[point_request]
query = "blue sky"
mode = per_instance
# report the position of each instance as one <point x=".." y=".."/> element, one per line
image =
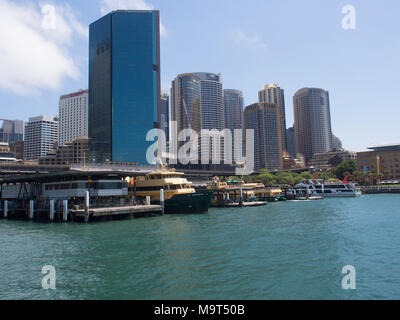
<point x="294" y="43"/>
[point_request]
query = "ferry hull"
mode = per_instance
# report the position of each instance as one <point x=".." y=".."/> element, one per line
<point x="189" y="203"/>
<point x="340" y="195"/>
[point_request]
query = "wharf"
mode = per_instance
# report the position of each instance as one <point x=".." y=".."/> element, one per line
<point x="132" y="211"/>
<point x="381" y="189"/>
<point x="246" y="204"/>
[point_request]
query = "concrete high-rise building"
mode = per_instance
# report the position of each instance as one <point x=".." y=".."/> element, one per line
<point x="41" y="136"/>
<point x="124" y="85"/>
<point x="212" y="114"/>
<point x="233" y="104"/>
<point x="212" y="105"/>
<point x="264" y="119"/>
<point x="164" y="117"/>
<point x="272" y="93"/>
<point x="291" y="142"/>
<point x="72" y="152"/>
<point x="11" y="131"/>
<point x="185" y="102"/>
<point x="73" y="116"/>
<point x="312" y="122"/>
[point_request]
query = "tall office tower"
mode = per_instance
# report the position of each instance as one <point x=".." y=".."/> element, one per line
<point x="41" y="136"/>
<point x="265" y="120"/>
<point x="212" y="106"/>
<point x="164" y="117"/>
<point x="272" y="93"/>
<point x="312" y="122"/>
<point x="12" y="131"/>
<point x="124" y="85"/>
<point x="291" y="142"/>
<point x="73" y="116"/>
<point x="212" y="114"/>
<point x="185" y="102"/>
<point x="233" y="104"/>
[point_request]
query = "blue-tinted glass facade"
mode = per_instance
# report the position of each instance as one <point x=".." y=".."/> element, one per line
<point x="124" y="85"/>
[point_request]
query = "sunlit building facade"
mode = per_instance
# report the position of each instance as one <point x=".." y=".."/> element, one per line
<point x="312" y="122"/>
<point x="264" y="119"/>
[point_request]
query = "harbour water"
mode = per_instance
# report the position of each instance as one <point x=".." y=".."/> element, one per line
<point x="286" y="250"/>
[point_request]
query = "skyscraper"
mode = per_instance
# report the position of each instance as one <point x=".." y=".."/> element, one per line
<point x="312" y="122"/>
<point x="212" y="106"/>
<point x="272" y="93"/>
<point x="73" y="116"/>
<point x="41" y="136"/>
<point x="124" y="85"/>
<point x="233" y="104"/>
<point x="291" y="142"/>
<point x="264" y="119"/>
<point x="185" y="102"/>
<point x="12" y="131"/>
<point x="164" y="117"/>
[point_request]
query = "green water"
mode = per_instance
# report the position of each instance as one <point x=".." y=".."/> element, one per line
<point x="292" y="250"/>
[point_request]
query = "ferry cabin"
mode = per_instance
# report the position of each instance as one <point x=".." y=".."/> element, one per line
<point x="173" y="183"/>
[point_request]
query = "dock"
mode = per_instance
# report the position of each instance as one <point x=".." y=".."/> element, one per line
<point x="119" y="212"/>
<point x="92" y="195"/>
<point x="246" y="204"/>
<point x="381" y="189"/>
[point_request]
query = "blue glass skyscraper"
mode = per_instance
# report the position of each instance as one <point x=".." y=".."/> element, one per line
<point x="124" y="85"/>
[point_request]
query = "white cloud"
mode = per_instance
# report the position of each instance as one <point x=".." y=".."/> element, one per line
<point x="111" y="5"/>
<point x="33" y="57"/>
<point x="240" y="38"/>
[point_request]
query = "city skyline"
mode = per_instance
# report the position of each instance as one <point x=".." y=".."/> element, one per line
<point x="248" y="58"/>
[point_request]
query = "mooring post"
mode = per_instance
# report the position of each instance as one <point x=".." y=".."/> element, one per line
<point x="31" y="209"/>
<point x="148" y="201"/>
<point x="162" y="201"/>
<point x="87" y="206"/>
<point x="52" y="210"/>
<point x="65" y="210"/>
<point x="5" y="214"/>
<point x="241" y="198"/>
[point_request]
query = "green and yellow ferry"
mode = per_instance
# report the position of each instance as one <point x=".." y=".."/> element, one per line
<point x="179" y="195"/>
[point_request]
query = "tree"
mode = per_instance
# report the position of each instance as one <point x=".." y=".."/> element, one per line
<point x="346" y="168"/>
<point x="267" y="178"/>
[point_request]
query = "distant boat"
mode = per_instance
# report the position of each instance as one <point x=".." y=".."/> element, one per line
<point x="326" y="189"/>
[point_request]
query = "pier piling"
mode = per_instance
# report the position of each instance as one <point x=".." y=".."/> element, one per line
<point x="65" y="210"/>
<point x="31" y="209"/>
<point x="51" y="210"/>
<point x="87" y="206"/>
<point x="5" y="209"/>
<point x="162" y="200"/>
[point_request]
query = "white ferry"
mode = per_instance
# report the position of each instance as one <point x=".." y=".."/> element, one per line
<point x="327" y="189"/>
